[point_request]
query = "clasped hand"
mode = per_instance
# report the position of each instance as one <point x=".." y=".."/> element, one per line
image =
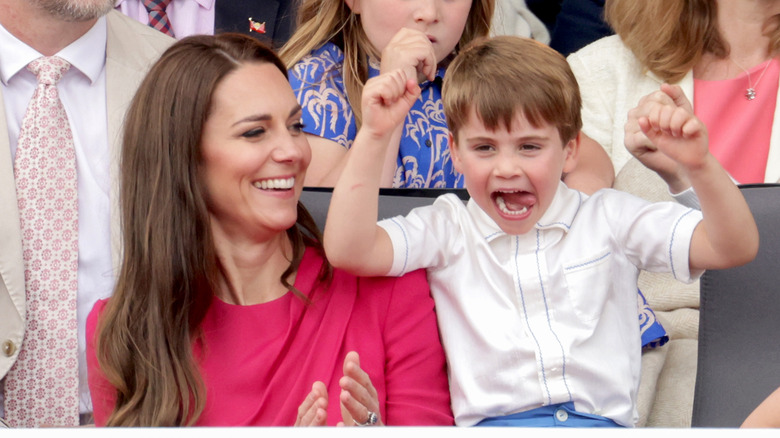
<point x="358" y="397"/>
<point x="663" y="133"/>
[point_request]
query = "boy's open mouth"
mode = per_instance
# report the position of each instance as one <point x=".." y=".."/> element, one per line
<point x="514" y="203"/>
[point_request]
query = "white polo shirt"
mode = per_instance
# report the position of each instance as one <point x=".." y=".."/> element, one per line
<point x="549" y="316"/>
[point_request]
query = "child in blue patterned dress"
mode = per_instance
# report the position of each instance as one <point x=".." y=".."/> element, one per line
<point x="339" y="44"/>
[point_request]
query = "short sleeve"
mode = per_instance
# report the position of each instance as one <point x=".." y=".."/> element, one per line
<point x="416" y="373"/>
<point x="687" y="198"/>
<point x="654" y="236"/>
<point x="421" y="239"/>
<point x="102" y="393"/>
<point x="319" y="88"/>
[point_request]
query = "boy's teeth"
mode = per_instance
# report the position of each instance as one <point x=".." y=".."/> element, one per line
<point x="505" y="210"/>
<point x="279" y="184"/>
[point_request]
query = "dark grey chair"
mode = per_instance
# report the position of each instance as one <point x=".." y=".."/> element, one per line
<point x="392" y="202"/>
<point x="739" y="326"/>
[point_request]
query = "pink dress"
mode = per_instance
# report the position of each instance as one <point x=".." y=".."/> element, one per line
<point x="259" y="362"/>
<point x="740" y="129"/>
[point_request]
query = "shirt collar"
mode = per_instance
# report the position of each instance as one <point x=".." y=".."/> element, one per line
<point x="559" y="215"/>
<point x="563" y="209"/>
<point x="87" y="54"/>
<point x="205" y="4"/>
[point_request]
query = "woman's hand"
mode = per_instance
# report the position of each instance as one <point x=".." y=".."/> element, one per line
<point x="314" y="409"/>
<point x="359" y="400"/>
<point x="411" y="51"/>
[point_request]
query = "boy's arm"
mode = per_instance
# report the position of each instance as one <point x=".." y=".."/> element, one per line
<point x="727" y="235"/>
<point x="352" y="239"/>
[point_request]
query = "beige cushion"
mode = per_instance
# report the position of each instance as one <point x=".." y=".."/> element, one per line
<point x="669" y="372"/>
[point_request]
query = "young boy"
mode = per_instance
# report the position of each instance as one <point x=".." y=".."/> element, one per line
<point x="534" y="283"/>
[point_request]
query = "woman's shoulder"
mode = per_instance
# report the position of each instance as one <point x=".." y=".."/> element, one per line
<point x="378" y="292"/>
<point x="602" y="47"/>
<point x="604" y="54"/>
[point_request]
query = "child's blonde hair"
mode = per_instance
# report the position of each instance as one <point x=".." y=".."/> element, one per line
<point x="322" y="21"/>
<point x="500" y="76"/>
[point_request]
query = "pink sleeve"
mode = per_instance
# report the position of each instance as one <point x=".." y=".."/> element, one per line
<point x="102" y="393"/>
<point x="416" y="370"/>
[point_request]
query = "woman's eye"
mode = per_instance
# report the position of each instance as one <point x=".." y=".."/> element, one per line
<point x="253" y="133"/>
<point x="297" y="127"/>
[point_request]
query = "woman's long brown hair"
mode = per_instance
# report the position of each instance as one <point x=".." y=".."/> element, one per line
<point x="169" y="270"/>
<point x="669" y="37"/>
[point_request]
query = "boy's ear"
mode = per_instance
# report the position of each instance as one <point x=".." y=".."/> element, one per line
<point x="454" y="152"/>
<point x="572" y="152"/>
<point x="354" y="5"/>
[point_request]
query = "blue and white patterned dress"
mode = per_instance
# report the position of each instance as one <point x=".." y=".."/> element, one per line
<point x="423" y="158"/>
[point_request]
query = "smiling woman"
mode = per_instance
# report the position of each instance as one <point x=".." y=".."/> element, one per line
<point x="254" y="158"/>
<point x="226" y="312"/>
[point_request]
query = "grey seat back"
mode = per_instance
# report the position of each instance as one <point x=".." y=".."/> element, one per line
<point x="392" y="202"/>
<point x="739" y="326"/>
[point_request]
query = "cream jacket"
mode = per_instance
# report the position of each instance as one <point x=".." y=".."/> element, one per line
<point x="612" y="81"/>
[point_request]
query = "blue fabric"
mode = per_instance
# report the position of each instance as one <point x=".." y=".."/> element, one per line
<point x="423" y="158"/>
<point x="579" y="23"/>
<point x="560" y="415"/>
<point x="653" y="333"/>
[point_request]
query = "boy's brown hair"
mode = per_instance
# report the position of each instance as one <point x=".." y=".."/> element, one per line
<point x="503" y="75"/>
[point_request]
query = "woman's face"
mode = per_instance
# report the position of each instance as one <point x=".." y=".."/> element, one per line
<point x="254" y="153"/>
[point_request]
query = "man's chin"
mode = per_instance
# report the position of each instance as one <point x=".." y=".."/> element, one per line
<point x="76" y="11"/>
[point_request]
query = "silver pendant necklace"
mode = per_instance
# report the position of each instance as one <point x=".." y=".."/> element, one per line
<point x="750" y="93"/>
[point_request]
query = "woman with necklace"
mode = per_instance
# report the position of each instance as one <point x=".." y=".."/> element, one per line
<point x="723" y="55"/>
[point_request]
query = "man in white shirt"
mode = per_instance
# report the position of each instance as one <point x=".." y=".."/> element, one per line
<point x="109" y="56"/>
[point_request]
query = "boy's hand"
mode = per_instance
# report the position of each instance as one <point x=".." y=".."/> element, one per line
<point x="314" y="409"/>
<point x="664" y="134"/>
<point x="358" y="396"/>
<point x="646" y="152"/>
<point x="386" y="100"/>
<point x="411" y="51"/>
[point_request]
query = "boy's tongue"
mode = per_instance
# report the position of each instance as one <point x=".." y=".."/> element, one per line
<point x="515" y="201"/>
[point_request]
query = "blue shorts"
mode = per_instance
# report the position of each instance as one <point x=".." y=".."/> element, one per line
<point x="560" y="415"/>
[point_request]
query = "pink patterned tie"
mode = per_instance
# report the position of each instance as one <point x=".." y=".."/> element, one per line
<point x="42" y="386"/>
<point x="158" y="19"/>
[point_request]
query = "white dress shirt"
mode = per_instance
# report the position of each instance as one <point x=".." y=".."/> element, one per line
<point x="82" y="91"/>
<point x="187" y="17"/>
<point x="549" y="316"/>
